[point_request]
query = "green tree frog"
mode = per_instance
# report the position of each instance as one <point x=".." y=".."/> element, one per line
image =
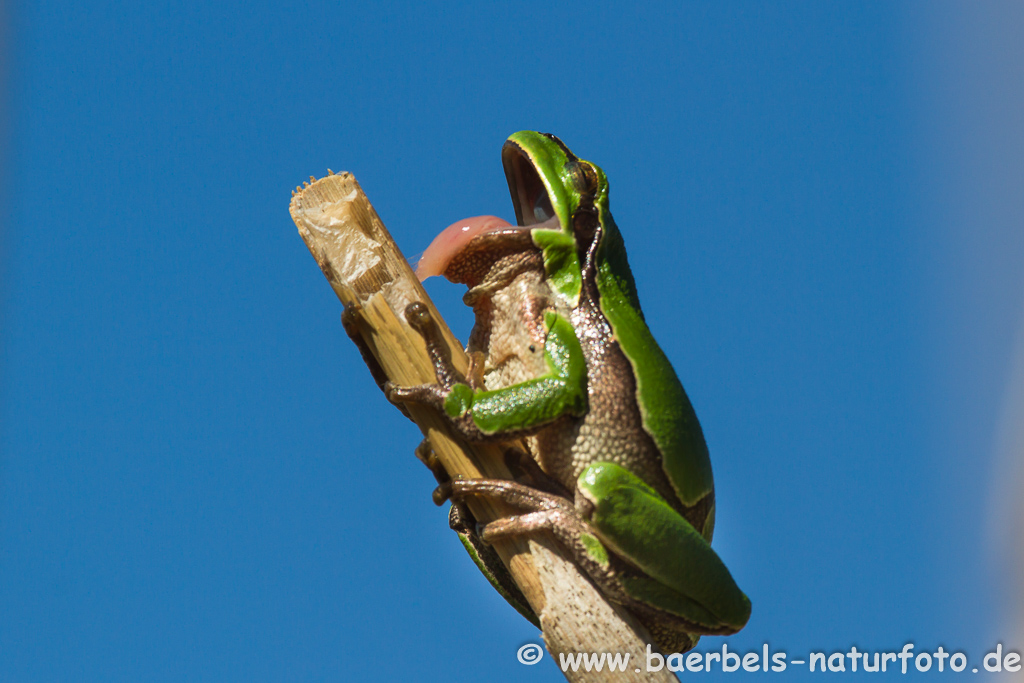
<point x="618" y="468"/>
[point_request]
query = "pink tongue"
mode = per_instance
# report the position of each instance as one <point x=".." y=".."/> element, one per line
<point x="451" y="241"/>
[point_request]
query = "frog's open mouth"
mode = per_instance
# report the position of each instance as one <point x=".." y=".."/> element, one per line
<point x="529" y="199"/>
<point x="529" y="195"/>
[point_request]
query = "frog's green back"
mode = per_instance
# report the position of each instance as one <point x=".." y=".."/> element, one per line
<point x="667" y="413"/>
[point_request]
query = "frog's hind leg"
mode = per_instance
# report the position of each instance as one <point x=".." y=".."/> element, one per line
<point x="463" y="523"/>
<point x="543" y="511"/>
<point x="659" y="605"/>
<point x="486" y="559"/>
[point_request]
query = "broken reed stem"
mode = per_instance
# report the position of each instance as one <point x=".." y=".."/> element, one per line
<point x="367" y="270"/>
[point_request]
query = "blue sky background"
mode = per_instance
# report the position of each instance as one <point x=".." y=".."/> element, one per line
<point x="199" y="480"/>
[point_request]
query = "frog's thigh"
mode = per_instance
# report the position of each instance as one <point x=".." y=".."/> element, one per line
<point x="636" y="523"/>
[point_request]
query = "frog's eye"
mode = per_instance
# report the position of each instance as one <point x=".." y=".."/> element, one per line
<point x="583" y="177"/>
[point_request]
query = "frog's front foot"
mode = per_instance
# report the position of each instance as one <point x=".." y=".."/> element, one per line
<point x="426" y="394"/>
<point x="419" y="318"/>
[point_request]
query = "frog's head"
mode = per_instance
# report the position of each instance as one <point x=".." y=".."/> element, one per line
<point x="546" y="180"/>
<point x="548" y="184"/>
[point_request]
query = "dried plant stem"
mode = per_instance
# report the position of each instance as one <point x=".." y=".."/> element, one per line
<point x="366" y="269"/>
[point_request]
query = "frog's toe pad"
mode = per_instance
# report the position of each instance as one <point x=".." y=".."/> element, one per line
<point x="442" y="493"/>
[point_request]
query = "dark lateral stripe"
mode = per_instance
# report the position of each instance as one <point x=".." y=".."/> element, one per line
<point x="554" y="138"/>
